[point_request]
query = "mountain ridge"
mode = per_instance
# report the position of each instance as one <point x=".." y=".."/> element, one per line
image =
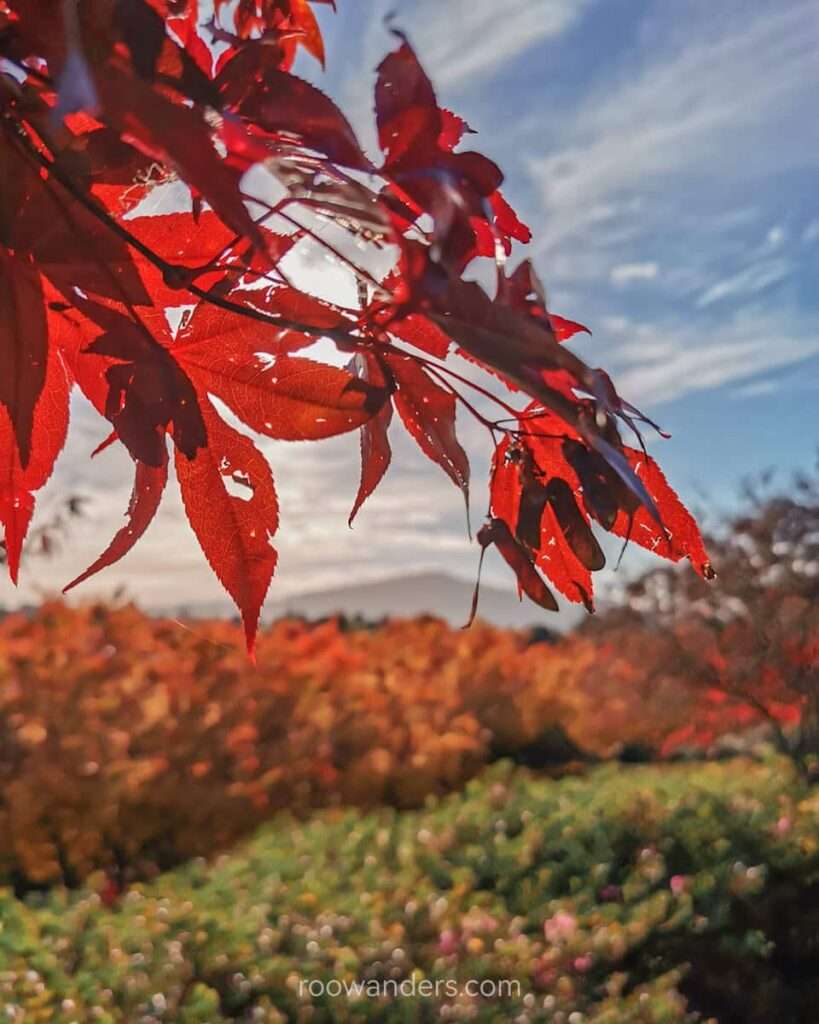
<point x="427" y="592"/>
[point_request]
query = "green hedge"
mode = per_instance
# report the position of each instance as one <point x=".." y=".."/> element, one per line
<point x="647" y="894"/>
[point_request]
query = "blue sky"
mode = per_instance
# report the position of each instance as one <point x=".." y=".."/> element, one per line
<point x="665" y="155"/>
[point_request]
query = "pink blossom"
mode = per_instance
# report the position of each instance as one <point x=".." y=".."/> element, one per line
<point x="560" y="927"/>
<point x="678" y="884"/>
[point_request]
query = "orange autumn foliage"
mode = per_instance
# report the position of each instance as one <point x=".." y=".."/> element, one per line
<point x="129" y="743"/>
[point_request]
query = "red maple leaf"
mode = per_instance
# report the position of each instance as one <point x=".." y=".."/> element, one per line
<point x="137" y="264"/>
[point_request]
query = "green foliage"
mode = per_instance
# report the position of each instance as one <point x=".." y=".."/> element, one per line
<point x="658" y="895"/>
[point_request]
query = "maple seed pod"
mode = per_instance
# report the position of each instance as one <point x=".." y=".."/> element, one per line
<point x="575" y="529"/>
<point x="600" y="487"/>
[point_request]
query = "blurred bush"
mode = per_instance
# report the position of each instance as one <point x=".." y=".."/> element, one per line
<point x="747" y="643"/>
<point x="660" y="895"/>
<point x="131" y="744"/>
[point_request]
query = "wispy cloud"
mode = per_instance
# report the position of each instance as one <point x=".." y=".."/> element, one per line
<point x="685" y="123"/>
<point x="660" y="362"/>
<point x="750" y="281"/>
<point x="463" y="38"/>
<point x="676" y="160"/>
<point x="627" y="273"/>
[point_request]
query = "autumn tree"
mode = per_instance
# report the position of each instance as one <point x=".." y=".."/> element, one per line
<point x="157" y="163"/>
<point x="748" y="644"/>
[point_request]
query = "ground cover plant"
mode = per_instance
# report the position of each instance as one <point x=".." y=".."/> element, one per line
<point x="647" y="894"/>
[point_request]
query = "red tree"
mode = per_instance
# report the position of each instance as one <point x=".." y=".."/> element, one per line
<point x="743" y="652"/>
<point x="152" y="307"/>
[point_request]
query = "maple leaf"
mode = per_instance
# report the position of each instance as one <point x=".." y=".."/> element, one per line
<point x="33" y="412"/>
<point x="418" y="139"/>
<point x="428" y="412"/>
<point x="520" y="496"/>
<point x="179" y="135"/>
<point x="23" y="348"/>
<point x="135" y="265"/>
<point x="497" y="533"/>
<point x="287" y="397"/>
<point x="148" y="391"/>
<point x="281" y="105"/>
<point x="550" y="482"/>
<point x="290" y="398"/>
<point x="679" y="537"/>
<point x="376" y="453"/>
<point x="230" y="501"/>
<point x="149" y="484"/>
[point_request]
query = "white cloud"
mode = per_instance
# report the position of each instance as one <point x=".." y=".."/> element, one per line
<point x="686" y="122"/>
<point x="627" y="273"/>
<point x="665" y="362"/>
<point x="756" y="389"/>
<point x="462" y="38"/>
<point x="750" y="281"/>
<point x="415" y="521"/>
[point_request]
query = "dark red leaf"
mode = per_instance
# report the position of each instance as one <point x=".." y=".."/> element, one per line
<point x="406" y="111"/>
<point x="23" y="347"/>
<point x="602" y="493"/>
<point x="49" y="424"/>
<point x="519" y="496"/>
<point x="283" y="105"/>
<point x="574" y="525"/>
<point x="417" y="139"/>
<point x="234" y="531"/>
<point x="149" y="484"/>
<point x="148" y="391"/>
<point x="181" y="136"/>
<point x="376" y="453"/>
<point x="428" y="412"/>
<point x="497" y="532"/>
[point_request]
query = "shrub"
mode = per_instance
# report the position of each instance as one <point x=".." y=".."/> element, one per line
<point x="658" y="895"/>
<point x="131" y="744"/>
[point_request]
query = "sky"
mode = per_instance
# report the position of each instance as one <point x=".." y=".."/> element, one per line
<point x="665" y="156"/>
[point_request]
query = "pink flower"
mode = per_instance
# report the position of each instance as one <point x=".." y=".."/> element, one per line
<point x="678" y="884"/>
<point x="783" y="825"/>
<point x="560" y="927"/>
<point x="582" y="963"/>
<point x="448" y="942"/>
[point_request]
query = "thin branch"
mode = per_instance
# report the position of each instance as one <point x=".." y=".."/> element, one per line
<point x="354" y="268"/>
<point x="174" y="276"/>
<point x="182" y="279"/>
<point x="469" y="383"/>
<point x="432" y="370"/>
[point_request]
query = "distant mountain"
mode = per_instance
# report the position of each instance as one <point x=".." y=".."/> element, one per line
<point x="428" y="593"/>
